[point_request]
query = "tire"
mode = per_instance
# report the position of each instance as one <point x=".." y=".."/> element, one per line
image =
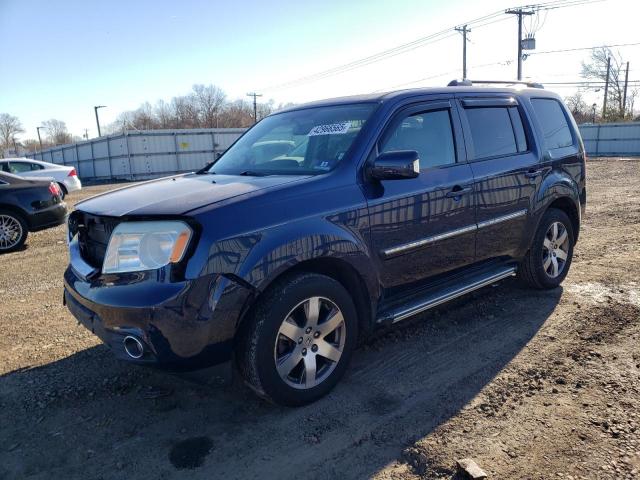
<point x="543" y="267"/>
<point x="276" y="365"/>
<point x="63" y="190"/>
<point x="13" y="231"/>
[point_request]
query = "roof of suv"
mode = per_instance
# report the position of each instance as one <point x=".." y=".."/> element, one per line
<point x="414" y="92"/>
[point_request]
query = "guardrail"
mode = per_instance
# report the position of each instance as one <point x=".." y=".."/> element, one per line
<point x="142" y="154"/>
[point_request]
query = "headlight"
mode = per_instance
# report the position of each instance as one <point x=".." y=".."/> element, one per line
<point x="138" y="246"/>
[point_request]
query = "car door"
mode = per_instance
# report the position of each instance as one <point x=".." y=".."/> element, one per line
<point x="424" y="226"/>
<point x="504" y="161"/>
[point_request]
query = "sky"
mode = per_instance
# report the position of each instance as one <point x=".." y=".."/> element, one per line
<point x="64" y="57"/>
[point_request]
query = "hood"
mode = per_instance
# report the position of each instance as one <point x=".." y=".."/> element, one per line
<point x="179" y="195"/>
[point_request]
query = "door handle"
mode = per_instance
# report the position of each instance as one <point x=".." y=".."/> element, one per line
<point x="458" y="191"/>
<point x="533" y="173"/>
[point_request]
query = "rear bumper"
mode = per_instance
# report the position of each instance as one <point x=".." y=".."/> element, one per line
<point x="48" y="217"/>
<point x="185" y="325"/>
<point x="72" y="184"/>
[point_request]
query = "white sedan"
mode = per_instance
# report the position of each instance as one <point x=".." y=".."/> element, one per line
<point x="65" y="176"/>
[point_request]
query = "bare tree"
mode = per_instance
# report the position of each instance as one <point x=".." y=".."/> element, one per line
<point x="596" y="69"/>
<point x="31" y="145"/>
<point x="581" y="112"/>
<point x="209" y="101"/>
<point x="57" y="131"/>
<point x="205" y="106"/>
<point x="10" y="126"/>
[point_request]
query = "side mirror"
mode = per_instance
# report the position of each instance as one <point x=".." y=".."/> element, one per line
<point x="397" y="165"/>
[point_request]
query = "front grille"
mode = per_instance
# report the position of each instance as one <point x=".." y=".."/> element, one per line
<point x="93" y="235"/>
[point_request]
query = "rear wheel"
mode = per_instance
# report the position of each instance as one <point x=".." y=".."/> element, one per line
<point x="13" y="231"/>
<point x="299" y="339"/>
<point x="547" y="263"/>
<point x="63" y="190"/>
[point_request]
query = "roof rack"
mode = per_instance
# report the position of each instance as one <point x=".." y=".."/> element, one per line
<point x="470" y="83"/>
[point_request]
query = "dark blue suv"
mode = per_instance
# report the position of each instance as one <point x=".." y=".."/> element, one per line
<point x="325" y="221"/>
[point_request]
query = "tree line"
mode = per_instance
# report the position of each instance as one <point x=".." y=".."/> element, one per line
<point x="206" y="106"/>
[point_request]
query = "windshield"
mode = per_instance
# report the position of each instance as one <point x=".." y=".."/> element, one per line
<point x="300" y="142"/>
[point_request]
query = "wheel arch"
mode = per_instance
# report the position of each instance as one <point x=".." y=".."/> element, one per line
<point x="568" y="206"/>
<point x="18" y="211"/>
<point x="333" y="267"/>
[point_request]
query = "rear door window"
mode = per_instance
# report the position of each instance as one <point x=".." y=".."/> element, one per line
<point x="496" y="131"/>
<point x="19" y="167"/>
<point x="555" y="127"/>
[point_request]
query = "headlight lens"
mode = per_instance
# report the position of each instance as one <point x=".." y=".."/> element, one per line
<point x="138" y="246"/>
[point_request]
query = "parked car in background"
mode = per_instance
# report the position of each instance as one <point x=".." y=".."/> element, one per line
<point x="65" y="176"/>
<point x="326" y="221"/>
<point x="27" y="205"/>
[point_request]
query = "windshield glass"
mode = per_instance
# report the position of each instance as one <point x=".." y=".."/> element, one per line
<point x="300" y="142"/>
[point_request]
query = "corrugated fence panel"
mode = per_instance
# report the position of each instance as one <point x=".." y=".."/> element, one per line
<point x="611" y="139"/>
<point x="143" y="154"/>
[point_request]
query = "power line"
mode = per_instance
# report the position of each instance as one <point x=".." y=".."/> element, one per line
<point x="392" y="52"/>
<point x="585" y="48"/>
<point x="420" y="42"/>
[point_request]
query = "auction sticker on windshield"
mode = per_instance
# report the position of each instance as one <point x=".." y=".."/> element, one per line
<point x="332" y="129"/>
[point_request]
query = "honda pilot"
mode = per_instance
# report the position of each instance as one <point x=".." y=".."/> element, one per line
<point x="326" y="221"/>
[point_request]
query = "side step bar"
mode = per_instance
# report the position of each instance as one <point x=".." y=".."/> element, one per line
<point x="435" y="298"/>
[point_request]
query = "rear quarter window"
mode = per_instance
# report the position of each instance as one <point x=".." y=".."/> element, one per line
<point x="555" y="127"/>
<point x="496" y="131"/>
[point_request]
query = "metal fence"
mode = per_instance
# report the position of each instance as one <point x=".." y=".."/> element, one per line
<point x="611" y="139"/>
<point x="142" y="154"/>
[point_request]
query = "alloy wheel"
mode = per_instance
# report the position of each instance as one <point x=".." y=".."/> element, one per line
<point x="555" y="249"/>
<point x="310" y="343"/>
<point x="10" y="232"/>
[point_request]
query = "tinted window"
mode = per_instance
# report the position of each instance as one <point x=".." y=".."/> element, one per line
<point x="554" y="124"/>
<point x="428" y="133"/>
<point x="518" y="129"/>
<point x="19" y="167"/>
<point x="492" y="131"/>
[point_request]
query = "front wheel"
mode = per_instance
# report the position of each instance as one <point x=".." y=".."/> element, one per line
<point x="548" y="260"/>
<point x="299" y="339"/>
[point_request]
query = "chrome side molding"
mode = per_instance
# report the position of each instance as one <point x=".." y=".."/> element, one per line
<point x="390" y="252"/>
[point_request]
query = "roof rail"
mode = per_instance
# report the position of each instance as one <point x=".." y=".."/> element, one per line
<point x="470" y="83"/>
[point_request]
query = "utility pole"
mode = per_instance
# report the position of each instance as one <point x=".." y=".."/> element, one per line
<point x="95" y="109"/>
<point x="86" y="134"/>
<point x="624" y="97"/>
<point x="520" y="13"/>
<point x="255" y="104"/>
<point x="464" y="30"/>
<point x="39" y="139"/>
<point x="606" y="90"/>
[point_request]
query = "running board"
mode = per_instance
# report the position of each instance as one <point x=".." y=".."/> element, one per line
<point x="435" y="298"/>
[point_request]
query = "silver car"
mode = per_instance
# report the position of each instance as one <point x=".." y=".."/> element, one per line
<point x="65" y="176"/>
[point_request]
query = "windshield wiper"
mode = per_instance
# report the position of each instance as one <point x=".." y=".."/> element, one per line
<point x="253" y="173"/>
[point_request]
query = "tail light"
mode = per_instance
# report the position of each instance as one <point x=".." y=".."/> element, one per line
<point x="72" y="173"/>
<point x="54" y="189"/>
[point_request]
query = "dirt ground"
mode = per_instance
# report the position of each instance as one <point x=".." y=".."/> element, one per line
<point x="534" y="385"/>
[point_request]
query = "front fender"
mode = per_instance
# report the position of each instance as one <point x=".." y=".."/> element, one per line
<point x="257" y="259"/>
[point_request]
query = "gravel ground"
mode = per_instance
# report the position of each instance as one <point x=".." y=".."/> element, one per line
<point x="529" y="384"/>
